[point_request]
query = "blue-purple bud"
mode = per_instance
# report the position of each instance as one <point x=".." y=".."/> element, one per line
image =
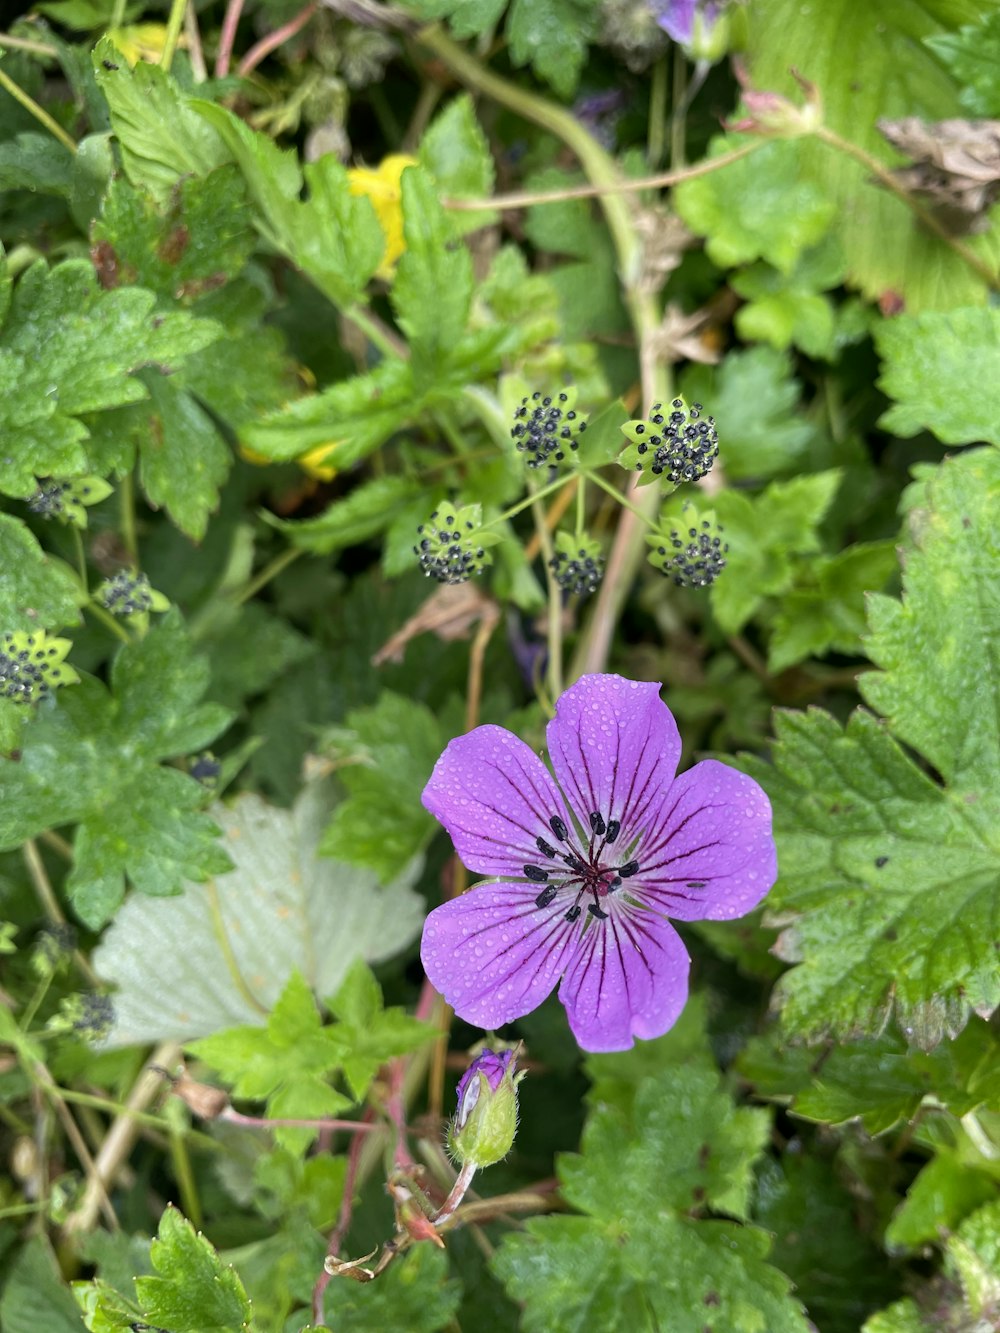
<point x="482" y="1132"/>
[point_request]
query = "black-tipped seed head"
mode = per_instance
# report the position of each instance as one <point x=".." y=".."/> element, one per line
<point x="578" y="564"/>
<point x="451" y="547"/>
<point x="693" y="555"/>
<point x="547" y="427"/>
<point x="126" y="594"/>
<point x="676" y="442"/>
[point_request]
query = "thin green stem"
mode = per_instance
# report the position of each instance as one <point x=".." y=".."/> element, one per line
<point x="269" y="572"/>
<point x="39" y="113"/>
<point x="444" y="419"/>
<point x="529" y="501"/>
<point x="81" y="558"/>
<point x="175" y="21"/>
<point x="34" y="1004"/>
<point x="126" y="512"/>
<point x="108" y="621"/>
<point x="555" y="608"/>
<point x="376" y="332"/>
<point x="581" y="505"/>
<point x="617" y="495"/>
<point x="678" y="120"/>
<point x="145" y="1118"/>
<point x="655" y="136"/>
<point x="118" y="14"/>
<point x="26" y="44"/>
<point x="50" y="903"/>
<point x="180" y="1159"/>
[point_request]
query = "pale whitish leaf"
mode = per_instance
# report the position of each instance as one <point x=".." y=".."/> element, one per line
<point x="220" y="954"/>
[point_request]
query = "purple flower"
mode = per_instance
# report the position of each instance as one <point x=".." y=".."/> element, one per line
<point x="676" y="17"/>
<point x="584" y="873"/>
<point x="494" y="1067"/>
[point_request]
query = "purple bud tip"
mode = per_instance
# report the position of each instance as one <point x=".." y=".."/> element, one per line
<point x="494" y="1064"/>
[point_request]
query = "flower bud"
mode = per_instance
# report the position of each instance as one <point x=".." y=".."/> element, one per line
<point x="578" y="563"/>
<point x="66" y="500"/>
<point x="32" y="666"/>
<point x="482" y="1132"/>
<point x="775" y="116"/>
<point x="452" y="544"/>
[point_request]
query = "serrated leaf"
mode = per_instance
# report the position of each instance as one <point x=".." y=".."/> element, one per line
<point x="368" y="510"/>
<point x="888" y="878"/>
<point x="94" y="761"/>
<point x="825" y="611"/>
<point x="943" y="370"/>
<point x="36" y="590"/>
<point x="552" y="35"/>
<point x="225" y="950"/>
<point x="160" y="137"/>
<point x="972" y="54"/>
<point x="71" y="349"/>
<point x="764" y="533"/>
<point x="194" y="1291"/>
<point x="456" y="154"/>
<point x="755" y="402"/>
<point x="869" y="62"/>
<point x="683" y="1144"/>
<point x="944" y="1192"/>
<point x="370" y="1034"/>
<point x="433" y="288"/>
<point x="34" y="1296"/>
<point x="33" y="161"/>
<point x="183" y="460"/>
<point x="760" y="207"/>
<point x="382" y="823"/>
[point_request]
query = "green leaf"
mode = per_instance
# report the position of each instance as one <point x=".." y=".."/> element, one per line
<point x="94" y="761"/>
<point x="888" y="879"/>
<point x="755" y="402"/>
<point x="370" y="1033"/>
<point x="32" y="161"/>
<point x="225" y="950"/>
<point x="825" y="611"/>
<point x="764" y="533"/>
<point x="393" y="748"/>
<point x="34" y="1295"/>
<point x="944" y="1193"/>
<point x="196" y="243"/>
<point x="868" y="62"/>
<point x="333" y="236"/>
<point x="433" y="288"/>
<point x="552" y="35"/>
<point x="942" y="370"/>
<point x="183" y="460"/>
<point x="972" y="55"/>
<point x="681" y="1146"/>
<point x="414" y="1294"/>
<point x="160" y="137"/>
<point x="36" y="590"/>
<point x="71" y="349"/>
<point x="194" y="1291"/>
<point x="455" y="152"/>
<point x="366" y="511"/>
<point x="760" y="207"/>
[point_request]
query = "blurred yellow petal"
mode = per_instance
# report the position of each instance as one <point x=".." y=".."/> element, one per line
<point x="142" y="41"/>
<point x="382" y="186"/>
<point x="313" y="461"/>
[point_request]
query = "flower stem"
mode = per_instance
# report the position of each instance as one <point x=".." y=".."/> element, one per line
<point x="230" y="22"/>
<point x="39" y="113"/>
<point x="273" y="40"/>
<point x="269" y="572"/>
<point x="108" y="621"/>
<point x="581" y="505"/>
<point x="458" y="1193"/>
<point x="527" y="503"/>
<point x="555" y="616"/>
<point x="657" y="113"/>
<point x="617" y="495"/>
<point x="126" y="509"/>
<point x="81" y="558"/>
<point x="26" y="44"/>
<point x="175" y="21"/>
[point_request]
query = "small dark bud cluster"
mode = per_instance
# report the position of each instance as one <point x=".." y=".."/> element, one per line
<point x="547" y="426"/>
<point x="680" y="445"/>
<point x="693" y="557"/>
<point x="91" y="1015"/>
<point x="451" y="545"/>
<point x="206" y="769"/>
<point x="54" y="945"/>
<point x="126" y="594"/>
<point x="66" y="500"/>
<point x="30" y="666"/>
<point x="578" y="564"/>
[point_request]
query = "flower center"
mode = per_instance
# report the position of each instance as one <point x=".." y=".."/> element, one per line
<point x="590" y="872"/>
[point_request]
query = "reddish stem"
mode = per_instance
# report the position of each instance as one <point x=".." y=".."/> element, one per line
<point x="227" y="37"/>
<point x="266" y="1122"/>
<point x="346" y="1211"/>
<point x="273" y="40"/>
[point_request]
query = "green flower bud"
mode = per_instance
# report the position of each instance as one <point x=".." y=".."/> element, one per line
<point x="482" y="1132"/>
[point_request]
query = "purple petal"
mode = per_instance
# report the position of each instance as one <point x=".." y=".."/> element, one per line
<point x="714" y="857"/>
<point x="676" y="18"/>
<point x="495" y="797"/>
<point x="614" y="747"/>
<point x="493" y="954"/>
<point x="628" y="978"/>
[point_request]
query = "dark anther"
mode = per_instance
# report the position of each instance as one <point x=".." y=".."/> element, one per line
<point x="614" y="828"/>
<point x="616" y="883"/>
<point x="576" y="864"/>
<point x="628" y="869"/>
<point x="558" y="828"/>
<point x="696" y="884"/>
<point x="594" y="910"/>
<point x="536" y="873"/>
<point x="546" y="896"/>
<point x="573" y="913"/>
<point x="545" y="848"/>
<point x="597" y="823"/>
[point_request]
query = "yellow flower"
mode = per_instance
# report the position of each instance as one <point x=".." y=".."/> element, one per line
<point x="142" y="41"/>
<point x="313" y="462"/>
<point x="381" y="185"/>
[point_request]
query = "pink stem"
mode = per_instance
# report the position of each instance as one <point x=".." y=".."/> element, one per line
<point x="458" y="1193"/>
<point x="227" y="37"/>
<point x="264" y="1122"/>
<point x="344" y="1217"/>
<point x="275" y="39"/>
